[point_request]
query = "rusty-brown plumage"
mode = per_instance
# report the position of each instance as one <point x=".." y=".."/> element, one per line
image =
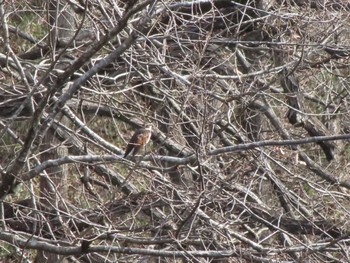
<point x="140" y="138"/>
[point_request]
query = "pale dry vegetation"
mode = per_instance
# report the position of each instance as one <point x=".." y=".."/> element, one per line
<point x="249" y="159"/>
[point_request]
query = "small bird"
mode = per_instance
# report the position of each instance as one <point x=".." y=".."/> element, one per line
<point x="140" y="138"/>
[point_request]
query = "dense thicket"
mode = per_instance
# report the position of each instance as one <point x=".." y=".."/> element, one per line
<point x="249" y="159"/>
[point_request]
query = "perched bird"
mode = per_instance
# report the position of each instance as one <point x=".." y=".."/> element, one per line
<point x="140" y="138"/>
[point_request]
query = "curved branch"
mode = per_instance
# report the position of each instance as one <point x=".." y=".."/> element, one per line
<point x="249" y="146"/>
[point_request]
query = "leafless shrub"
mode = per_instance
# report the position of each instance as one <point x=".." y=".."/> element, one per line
<point x="249" y="102"/>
